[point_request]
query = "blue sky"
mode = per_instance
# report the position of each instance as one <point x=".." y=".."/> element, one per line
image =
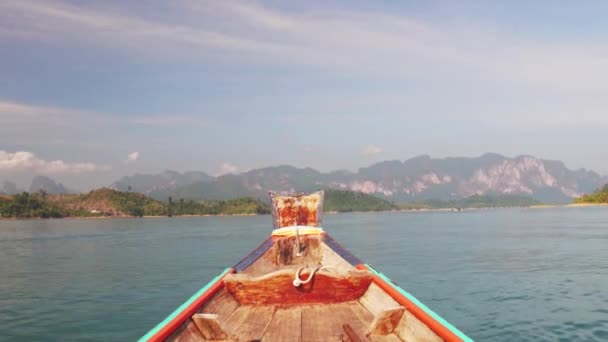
<point x="91" y="91"/>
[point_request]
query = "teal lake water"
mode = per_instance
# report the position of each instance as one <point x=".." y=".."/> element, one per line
<point x="498" y="275"/>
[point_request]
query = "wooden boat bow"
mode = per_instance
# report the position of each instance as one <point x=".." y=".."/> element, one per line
<point x="300" y="284"/>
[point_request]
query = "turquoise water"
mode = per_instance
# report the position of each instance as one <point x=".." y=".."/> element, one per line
<point x="497" y="275"/>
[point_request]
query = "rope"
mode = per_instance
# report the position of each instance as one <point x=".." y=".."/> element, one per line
<point x="297" y="281"/>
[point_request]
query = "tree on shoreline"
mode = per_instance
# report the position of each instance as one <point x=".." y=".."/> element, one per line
<point x="599" y="196"/>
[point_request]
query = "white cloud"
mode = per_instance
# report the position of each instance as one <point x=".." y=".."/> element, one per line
<point x="342" y="41"/>
<point x="226" y="168"/>
<point x="23" y="160"/>
<point x="336" y="39"/>
<point x="133" y="157"/>
<point x="372" y="149"/>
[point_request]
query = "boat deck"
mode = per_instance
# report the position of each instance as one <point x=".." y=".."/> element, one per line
<point x="341" y="303"/>
<point x="306" y="323"/>
<point x="349" y="321"/>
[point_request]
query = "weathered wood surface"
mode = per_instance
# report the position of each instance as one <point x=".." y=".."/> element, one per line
<point x="277" y="287"/>
<point x="325" y="322"/>
<point x="286" y="325"/>
<point x="386" y="321"/>
<point x="302" y="210"/>
<point x="210" y="326"/>
<point x="252" y="257"/>
<point x="188" y="332"/>
<point x="249" y="323"/>
<point x="284" y="252"/>
<point x="222" y="304"/>
<point x="333" y="259"/>
<point x="340" y="250"/>
<point x="352" y="334"/>
<point x="388" y="338"/>
<point x="375" y="300"/>
<point x="411" y="329"/>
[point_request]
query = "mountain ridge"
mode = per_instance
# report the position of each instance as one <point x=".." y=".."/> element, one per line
<point x="412" y="180"/>
<point x="415" y="179"/>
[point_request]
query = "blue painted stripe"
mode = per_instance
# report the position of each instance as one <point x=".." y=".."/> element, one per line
<point x="254" y="255"/>
<point x="182" y="307"/>
<point x="418" y="303"/>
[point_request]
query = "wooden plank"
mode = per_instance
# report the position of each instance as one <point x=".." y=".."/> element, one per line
<point x="352" y="334"/>
<point x="309" y="253"/>
<point x="325" y="322"/>
<point x="376" y="300"/>
<point x="254" y="255"/>
<point x="412" y="329"/>
<point x="277" y="288"/>
<point x="320" y="323"/>
<point x="334" y="260"/>
<point x="249" y="323"/>
<point x="386" y="321"/>
<point x="362" y="313"/>
<point x="210" y="326"/>
<point x="340" y="250"/>
<point x="387" y="338"/>
<point x="222" y="304"/>
<point x="284" y="252"/>
<point x="286" y="325"/>
<point x="188" y="332"/>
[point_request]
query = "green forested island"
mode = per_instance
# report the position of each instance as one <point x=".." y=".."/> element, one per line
<point x="475" y="201"/>
<point x="112" y="203"/>
<point x="600" y="196"/>
<point x="346" y="201"/>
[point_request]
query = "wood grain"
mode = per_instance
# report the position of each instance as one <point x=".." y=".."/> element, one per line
<point x="187" y="332"/>
<point x="277" y="288"/>
<point x="412" y="329"/>
<point x="386" y="321"/>
<point x="210" y="326"/>
<point x="286" y="325"/>
<point x="284" y="252"/>
<point x="222" y="304"/>
<point x="352" y="334"/>
<point x="325" y="322"/>
<point x="376" y="300"/>
<point x="249" y="323"/>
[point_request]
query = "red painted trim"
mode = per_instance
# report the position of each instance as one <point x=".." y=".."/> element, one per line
<point x="183" y="316"/>
<point x="438" y="328"/>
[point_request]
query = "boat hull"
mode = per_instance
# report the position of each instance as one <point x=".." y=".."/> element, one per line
<point x="256" y="298"/>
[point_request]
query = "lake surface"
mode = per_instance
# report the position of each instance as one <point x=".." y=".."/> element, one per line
<point x="497" y="275"/>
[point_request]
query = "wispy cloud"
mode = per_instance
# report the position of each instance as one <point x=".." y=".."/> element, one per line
<point x="371" y="150"/>
<point x="133" y="156"/>
<point x="227" y="168"/>
<point x="338" y="39"/>
<point x="23" y="160"/>
<point x="24" y="113"/>
<point x="170" y="120"/>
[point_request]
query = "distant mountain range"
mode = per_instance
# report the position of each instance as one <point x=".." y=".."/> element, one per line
<point x="417" y="179"/>
<point x="39" y="183"/>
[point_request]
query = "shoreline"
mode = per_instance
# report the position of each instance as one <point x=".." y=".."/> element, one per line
<point x="569" y="205"/>
<point x="540" y="206"/>
<point x="118" y="217"/>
